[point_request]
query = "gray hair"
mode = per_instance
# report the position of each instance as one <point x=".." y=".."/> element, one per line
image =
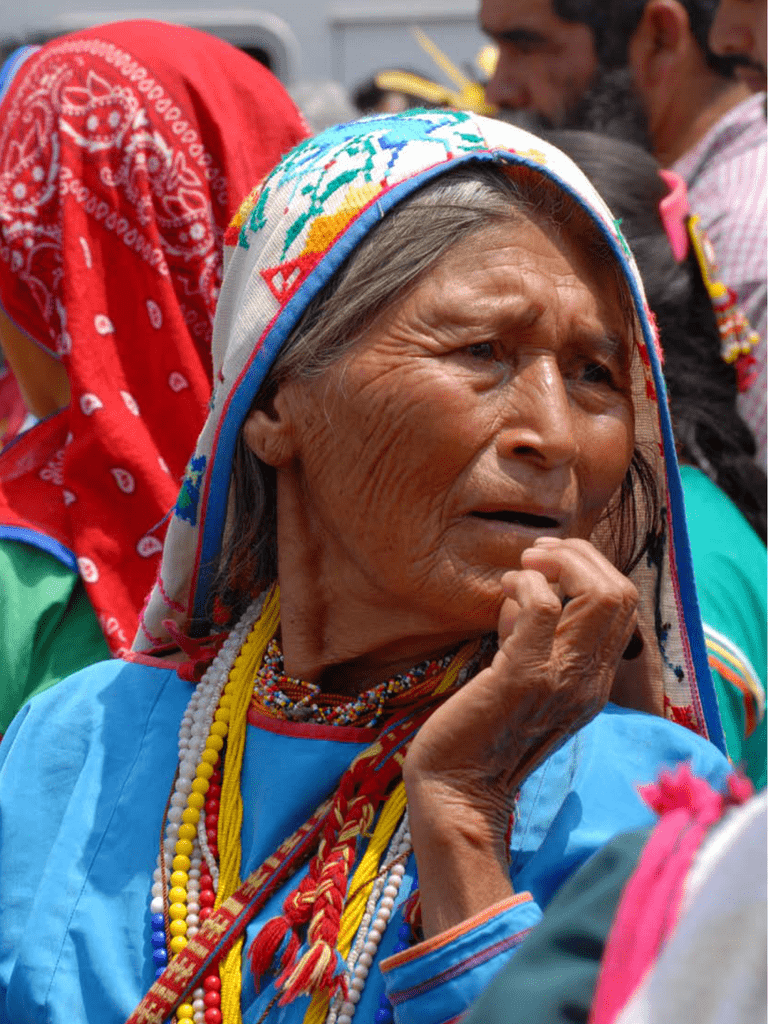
<point x="388" y="263"/>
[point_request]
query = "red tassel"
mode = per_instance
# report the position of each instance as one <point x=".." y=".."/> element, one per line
<point x="317" y="971"/>
<point x="266" y="944"/>
<point x="288" y="959"/>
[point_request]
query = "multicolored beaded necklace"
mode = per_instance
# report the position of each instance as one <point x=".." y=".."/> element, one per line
<point x="205" y="814"/>
<point x="281" y="696"/>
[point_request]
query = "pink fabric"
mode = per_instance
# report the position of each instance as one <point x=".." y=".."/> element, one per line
<point x="674" y="211"/>
<point x="124" y="152"/>
<point x="650" y="903"/>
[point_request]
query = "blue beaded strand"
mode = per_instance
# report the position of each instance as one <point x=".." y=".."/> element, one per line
<point x="159" y="951"/>
<point x="158" y="945"/>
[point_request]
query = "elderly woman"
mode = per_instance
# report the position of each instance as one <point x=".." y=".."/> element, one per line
<point x="429" y="566"/>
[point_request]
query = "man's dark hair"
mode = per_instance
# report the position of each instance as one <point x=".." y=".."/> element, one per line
<point x="614" y="23"/>
<point x="591" y="13"/>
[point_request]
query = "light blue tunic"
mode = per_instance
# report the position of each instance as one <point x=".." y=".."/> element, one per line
<point x="85" y="774"/>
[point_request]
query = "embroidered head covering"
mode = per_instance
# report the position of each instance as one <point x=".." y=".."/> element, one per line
<point x="289" y="239"/>
<point x="124" y="152"/>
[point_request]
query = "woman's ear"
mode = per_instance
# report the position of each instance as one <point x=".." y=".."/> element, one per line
<point x="269" y="432"/>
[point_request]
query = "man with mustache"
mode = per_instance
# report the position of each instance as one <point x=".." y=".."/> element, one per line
<point x="643" y="70"/>
<point x="739" y="29"/>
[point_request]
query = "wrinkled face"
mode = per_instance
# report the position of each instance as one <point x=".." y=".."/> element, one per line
<point x="545" y="63"/>
<point x="739" y="29"/>
<point x="492" y="405"/>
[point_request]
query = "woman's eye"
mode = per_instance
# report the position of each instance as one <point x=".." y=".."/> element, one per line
<point x="597" y="373"/>
<point x="481" y="350"/>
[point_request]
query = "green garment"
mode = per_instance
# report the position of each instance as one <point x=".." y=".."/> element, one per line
<point x="48" y="627"/>
<point x="730" y="566"/>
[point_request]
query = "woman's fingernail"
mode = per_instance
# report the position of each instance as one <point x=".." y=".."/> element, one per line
<point x="546" y="542"/>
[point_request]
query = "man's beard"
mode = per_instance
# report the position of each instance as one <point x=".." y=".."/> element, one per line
<point x="612" y="107"/>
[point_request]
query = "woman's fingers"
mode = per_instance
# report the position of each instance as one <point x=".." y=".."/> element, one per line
<point x="530" y="596"/>
<point x="575" y="565"/>
<point x="601" y="603"/>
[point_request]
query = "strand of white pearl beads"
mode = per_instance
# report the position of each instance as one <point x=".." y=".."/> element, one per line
<point x="377" y="929"/>
<point x="193" y="733"/>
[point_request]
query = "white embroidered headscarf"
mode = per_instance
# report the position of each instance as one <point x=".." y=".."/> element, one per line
<point x="298" y="227"/>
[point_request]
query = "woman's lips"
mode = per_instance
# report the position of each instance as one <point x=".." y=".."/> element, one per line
<point x="538" y="522"/>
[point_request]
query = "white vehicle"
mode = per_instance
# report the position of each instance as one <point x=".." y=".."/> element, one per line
<point x="299" y="40"/>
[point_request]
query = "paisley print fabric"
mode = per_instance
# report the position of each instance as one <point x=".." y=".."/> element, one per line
<point x="124" y="151"/>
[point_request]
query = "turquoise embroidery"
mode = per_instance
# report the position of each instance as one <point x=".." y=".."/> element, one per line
<point x="344" y="160"/>
<point x="622" y="239"/>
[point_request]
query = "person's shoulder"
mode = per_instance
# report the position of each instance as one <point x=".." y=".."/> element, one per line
<point x="121" y="689"/>
<point x="726" y="168"/>
<point x="30" y="564"/>
<point x="129" y="672"/>
<point x="619" y="731"/>
<point x="741" y="130"/>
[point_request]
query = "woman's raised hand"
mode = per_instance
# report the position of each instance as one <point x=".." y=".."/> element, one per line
<point x="567" y="617"/>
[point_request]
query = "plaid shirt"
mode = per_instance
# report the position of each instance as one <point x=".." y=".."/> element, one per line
<point x="726" y="177"/>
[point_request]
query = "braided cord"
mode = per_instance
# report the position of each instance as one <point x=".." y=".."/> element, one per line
<point x="365" y="876"/>
<point x="361" y="885"/>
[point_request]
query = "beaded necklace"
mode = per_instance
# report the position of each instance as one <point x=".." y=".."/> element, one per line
<point x="187" y="872"/>
<point x="190" y="881"/>
<point x="279" y="695"/>
<point x="385" y="889"/>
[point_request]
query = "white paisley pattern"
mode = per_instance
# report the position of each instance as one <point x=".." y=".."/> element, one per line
<point x="144" y="161"/>
<point x="117" y="183"/>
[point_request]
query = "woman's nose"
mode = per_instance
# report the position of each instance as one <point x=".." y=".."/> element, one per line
<point x="539" y="418"/>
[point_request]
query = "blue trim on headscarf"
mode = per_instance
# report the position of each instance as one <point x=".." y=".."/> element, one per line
<point x="241" y="399"/>
<point x="41" y="541"/>
<point x="11" y="66"/>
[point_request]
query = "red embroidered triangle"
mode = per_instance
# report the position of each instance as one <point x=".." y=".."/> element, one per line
<point x="288" y="277"/>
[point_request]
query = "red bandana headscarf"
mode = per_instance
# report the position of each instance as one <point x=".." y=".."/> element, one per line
<point x="124" y="152"/>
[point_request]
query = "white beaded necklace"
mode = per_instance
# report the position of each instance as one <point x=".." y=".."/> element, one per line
<point x="194" y="730"/>
<point x="193" y="733"/>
